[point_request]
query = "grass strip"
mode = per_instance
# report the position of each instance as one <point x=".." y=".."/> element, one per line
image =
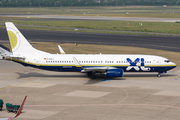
<point x="155" y="27"/>
<point x="116" y="11"/>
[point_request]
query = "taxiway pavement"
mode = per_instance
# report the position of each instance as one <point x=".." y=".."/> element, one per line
<point x="73" y="96"/>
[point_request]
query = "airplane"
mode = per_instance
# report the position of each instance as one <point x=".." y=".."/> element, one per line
<point x="110" y="65"/>
<point x="4" y="52"/>
<point x="18" y="113"/>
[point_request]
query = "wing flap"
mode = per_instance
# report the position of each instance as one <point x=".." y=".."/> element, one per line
<point x="97" y="69"/>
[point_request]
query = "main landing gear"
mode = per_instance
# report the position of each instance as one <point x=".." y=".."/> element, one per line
<point x="91" y="75"/>
<point x="159" y="75"/>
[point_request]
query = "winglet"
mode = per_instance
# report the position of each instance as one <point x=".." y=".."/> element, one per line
<point x="61" y="50"/>
<point x="76" y="62"/>
<point x="21" y="107"/>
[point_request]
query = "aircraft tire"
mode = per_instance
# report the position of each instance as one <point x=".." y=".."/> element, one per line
<point x="93" y="77"/>
<point x="89" y="74"/>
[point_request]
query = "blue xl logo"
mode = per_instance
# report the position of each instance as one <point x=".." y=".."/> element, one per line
<point x="133" y="64"/>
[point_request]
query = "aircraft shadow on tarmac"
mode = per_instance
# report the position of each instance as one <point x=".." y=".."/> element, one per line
<point x="98" y="80"/>
<point x="99" y="77"/>
<point x="35" y="74"/>
<point x="148" y="75"/>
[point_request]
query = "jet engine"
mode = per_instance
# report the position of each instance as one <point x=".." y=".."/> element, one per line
<point x="114" y="73"/>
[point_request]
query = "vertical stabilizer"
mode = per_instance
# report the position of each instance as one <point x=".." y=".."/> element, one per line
<point x="21" y="107"/>
<point x="19" y="44"/>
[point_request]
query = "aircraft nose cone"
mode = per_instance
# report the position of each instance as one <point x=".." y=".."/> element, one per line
<point x="174" y="65"/>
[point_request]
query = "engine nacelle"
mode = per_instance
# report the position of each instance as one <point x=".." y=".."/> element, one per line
<point x="114" y="73"/>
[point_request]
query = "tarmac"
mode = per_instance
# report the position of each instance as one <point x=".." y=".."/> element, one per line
<point x="74" y="96"/>
<point x="168" y="43"/>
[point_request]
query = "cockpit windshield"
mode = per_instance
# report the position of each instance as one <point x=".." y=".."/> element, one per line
<point x="167" y="61"/>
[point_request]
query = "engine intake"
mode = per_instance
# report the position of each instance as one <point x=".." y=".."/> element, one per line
<point x="114" y="73"/>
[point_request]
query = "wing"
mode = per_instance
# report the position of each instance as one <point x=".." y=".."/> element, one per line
<point x="90" y="69"/>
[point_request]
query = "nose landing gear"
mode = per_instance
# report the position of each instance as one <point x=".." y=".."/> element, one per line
<point x="159" y="74"/>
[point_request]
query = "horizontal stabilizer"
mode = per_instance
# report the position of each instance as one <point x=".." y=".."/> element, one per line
<point x="5" y="53"/>
<point x="17" y="57"/>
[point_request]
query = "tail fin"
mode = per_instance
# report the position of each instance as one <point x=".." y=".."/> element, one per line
<point x="19" y="111"/>
<point x="21" y="107"/>
<point x="19" y="44"/>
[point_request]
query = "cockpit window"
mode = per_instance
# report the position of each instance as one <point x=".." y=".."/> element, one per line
<point x="167" y="61"/>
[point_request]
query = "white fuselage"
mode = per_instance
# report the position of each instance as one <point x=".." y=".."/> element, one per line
<point x="129" y="63"/>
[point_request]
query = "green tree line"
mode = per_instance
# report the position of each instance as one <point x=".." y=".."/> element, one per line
<point x="55" y="3"/>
